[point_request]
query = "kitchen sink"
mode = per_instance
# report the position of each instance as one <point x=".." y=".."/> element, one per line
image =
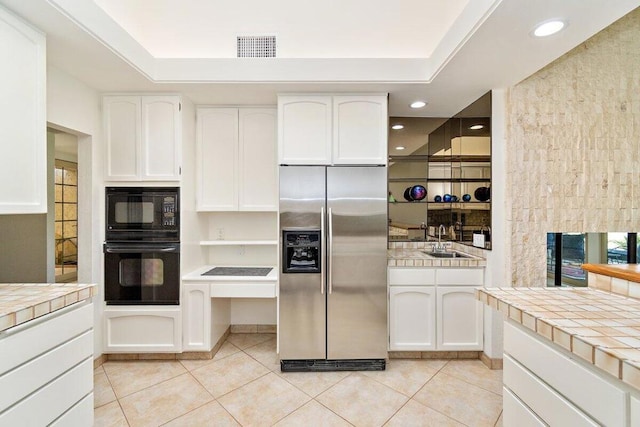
<point x="448" y="254"/>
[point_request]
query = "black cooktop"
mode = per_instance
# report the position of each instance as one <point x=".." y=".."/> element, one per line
<point x="238" y="271"/>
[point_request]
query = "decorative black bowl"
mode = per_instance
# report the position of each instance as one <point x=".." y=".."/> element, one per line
<point x="482" y="194"/>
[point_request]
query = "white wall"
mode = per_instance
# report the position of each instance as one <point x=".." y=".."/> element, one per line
<point x="75" y="108"/>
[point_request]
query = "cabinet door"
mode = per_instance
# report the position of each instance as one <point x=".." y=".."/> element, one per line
<point x="23" y="123"/>
<point x="196" y="325"/>
<point x="217" y="159"/>
<point x="412" y="318"/>
<point x="161" y="138"/>
<point x="459" y="319"/>
<point x="122" y="133"/>
<point x="258" y="181"/>
<point x="304" y="130"/>
<point x="360" y="130"/>
<point x="142" y="329"/>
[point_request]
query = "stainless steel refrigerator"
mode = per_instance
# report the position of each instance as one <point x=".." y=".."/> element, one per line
<point x="333" y="258"/>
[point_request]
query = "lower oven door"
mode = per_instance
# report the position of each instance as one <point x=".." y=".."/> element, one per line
<point x="142" y="273"/>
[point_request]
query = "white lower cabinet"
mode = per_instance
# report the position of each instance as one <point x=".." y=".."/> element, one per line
<point x="411" y="318"/>
<point x="142" y="329"/>
<point x="516" y="413"/>
<point x="46" y="370"/>
<point x="458" y="319"/>
<point x="196" y="304"/>
<point x="559" y="388"/>
<point x="435" y="309"/>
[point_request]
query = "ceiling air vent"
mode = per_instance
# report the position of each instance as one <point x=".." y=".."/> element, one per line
<point x="256" y="46"/>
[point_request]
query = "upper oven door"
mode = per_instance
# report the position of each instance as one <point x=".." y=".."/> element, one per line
<point x="142" y="214"/>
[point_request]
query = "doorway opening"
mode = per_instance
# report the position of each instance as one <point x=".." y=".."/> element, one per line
<point x="65" y="206"/>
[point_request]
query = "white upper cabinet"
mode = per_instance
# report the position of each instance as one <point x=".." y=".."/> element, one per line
<point x="142" y="138"/>
<point x="161" y="138"/>
<point x="23" y="124"/>
<point x="332" y="129"/>
<point x="236" y="159"/>
<point x="360" y="130"/>
<point x="304" y="130"/>
<point x="258" y="173"/>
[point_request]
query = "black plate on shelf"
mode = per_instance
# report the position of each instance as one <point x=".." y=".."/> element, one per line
<point x="238" y="271"/>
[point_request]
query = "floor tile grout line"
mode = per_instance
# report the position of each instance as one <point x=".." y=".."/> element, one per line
<point x="496" y="423"/>
<point x="151" y="385"/>
<point x="470" y="383"/>
<point x="331" y="410"/>
<point x="115" y="395"/>
<point x="441" y="370"/>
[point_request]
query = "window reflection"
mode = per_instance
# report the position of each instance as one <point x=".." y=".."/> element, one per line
<point x="566" y="252"/>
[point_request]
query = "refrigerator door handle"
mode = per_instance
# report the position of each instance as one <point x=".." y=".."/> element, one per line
<point x="322" y="251"/>
<point x="330" y="250"/>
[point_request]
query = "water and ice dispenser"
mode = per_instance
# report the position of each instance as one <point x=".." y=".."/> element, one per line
<point x="301" y="251"/>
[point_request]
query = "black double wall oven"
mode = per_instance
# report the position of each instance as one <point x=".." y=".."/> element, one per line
<point x="142" y="246"/>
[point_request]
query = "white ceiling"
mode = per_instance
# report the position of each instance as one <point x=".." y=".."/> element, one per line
<point x="487" y="45"/>
<point x="321" y="29"/>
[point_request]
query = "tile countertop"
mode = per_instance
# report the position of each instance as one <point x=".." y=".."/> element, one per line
<point x="196" y="275"/>
<point x="410" y="254"/>
<point x="601" y="328"/>
<point x="21" y="302"/>
<point x="629" y="272"/>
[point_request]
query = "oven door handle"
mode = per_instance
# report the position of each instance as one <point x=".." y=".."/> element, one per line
<point x="139" y="250"/>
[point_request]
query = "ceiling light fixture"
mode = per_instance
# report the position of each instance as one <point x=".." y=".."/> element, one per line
<point x="548" y="28"/>
<point x="399" y="147"/>
<point x="397" y="127"/>
<point x="418" y="104"/>
<point x="476" y="127"/>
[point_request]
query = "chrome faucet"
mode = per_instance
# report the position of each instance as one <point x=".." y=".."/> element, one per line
<point x="439" y="247"/>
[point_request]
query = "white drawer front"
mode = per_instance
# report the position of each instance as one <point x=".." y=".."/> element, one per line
<point x="51" y="401"/>
<point x="131" y="330"/>
<point x="411" y="276"/>
<point x="243" y="290"/>
<point x="29" y="377"/>
<point x="515" y="413"/>
<point x="601" y="399"/>
<point x="27" y="343"/>
<point x="80" y="415"/>
<point x="460" y="276"/>
<point x="542" y="399"/>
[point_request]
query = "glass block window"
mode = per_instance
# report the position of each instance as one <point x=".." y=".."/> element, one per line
<point x="66" y="220"/>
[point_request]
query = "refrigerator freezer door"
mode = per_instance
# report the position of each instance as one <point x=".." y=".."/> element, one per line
<point x="302" y="306"/>
<point x="357" y="301"/>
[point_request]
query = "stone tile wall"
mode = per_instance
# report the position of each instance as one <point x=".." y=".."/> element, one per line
<point x="573" y="147"/>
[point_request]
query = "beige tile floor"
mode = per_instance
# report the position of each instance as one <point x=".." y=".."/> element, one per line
<point x="243" y="385"/>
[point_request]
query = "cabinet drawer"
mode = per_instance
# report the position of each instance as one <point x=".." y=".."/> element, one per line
<point x="515" y="413"/>
<point x="27" y="378"/>
<point x="411" y="276"/>
<point x="80" y="415"/>
<point x="243" y="290"/>
<point x="542" y="399"/>
<point x="47" y="332"/>
<point x="51" y="401"/>
<point x="603" y="401"/>
<point x="460" y="276"/>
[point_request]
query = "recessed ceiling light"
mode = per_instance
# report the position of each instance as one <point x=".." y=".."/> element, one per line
<point x="418" y="104"/>
<point x="476" y="127"/>
<point x="549" y="27"/>
<point x="399" y="147"/>
<point x="397" y="127"/>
